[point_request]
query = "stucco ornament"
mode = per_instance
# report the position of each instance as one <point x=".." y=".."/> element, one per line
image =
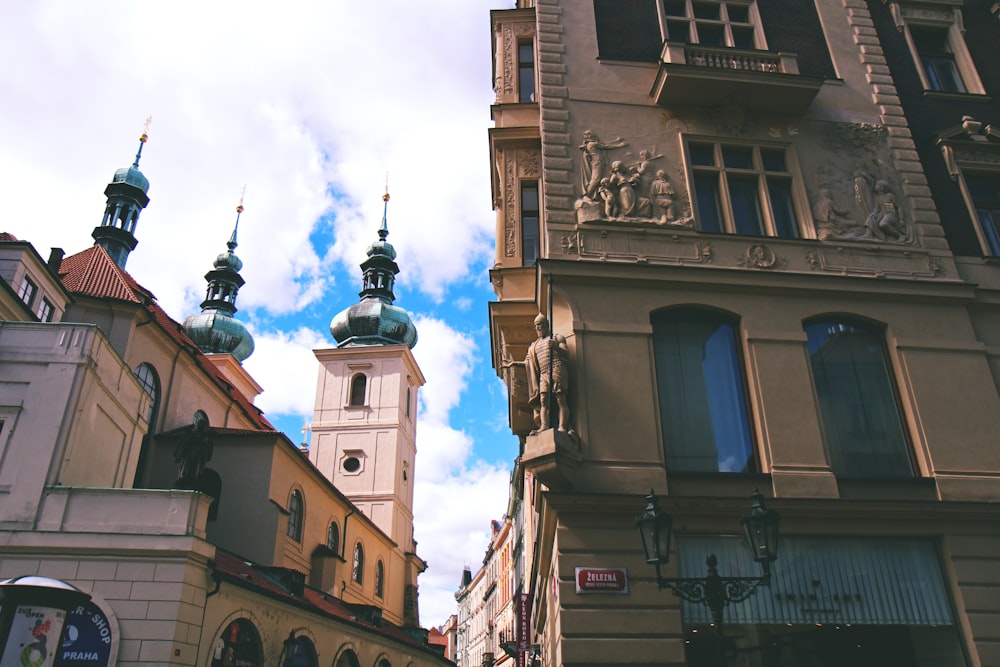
<point x="547" y="366"/>
<point x="625" y="190"/>
<point x="859" y="204"/>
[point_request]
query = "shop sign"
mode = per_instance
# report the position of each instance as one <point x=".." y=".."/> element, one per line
<point x="87" y="638"/>
<point x="602" y="580"/>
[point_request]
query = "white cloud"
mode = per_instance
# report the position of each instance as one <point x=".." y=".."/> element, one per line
<point x="281" y="363"/>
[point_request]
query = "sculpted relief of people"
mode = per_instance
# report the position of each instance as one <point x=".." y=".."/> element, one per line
<point x="615" y="191"/>
<point x="861" y="207"/>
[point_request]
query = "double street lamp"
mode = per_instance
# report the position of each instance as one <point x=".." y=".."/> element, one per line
<point x="760" y="526"/>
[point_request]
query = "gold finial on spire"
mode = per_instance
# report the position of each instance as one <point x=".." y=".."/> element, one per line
<point x="243" y="193"/>
<point x="145" y="130"/>
<point x="385" y="197"/>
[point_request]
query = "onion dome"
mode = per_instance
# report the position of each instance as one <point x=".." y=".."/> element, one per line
<point x="375" y="320"/>
<point x="127" y="197"/>
<point x="215" y="330"/>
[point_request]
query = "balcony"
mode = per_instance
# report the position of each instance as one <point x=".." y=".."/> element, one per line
<point x="695" y="75"/>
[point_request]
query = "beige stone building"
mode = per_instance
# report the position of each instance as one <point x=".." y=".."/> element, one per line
<point x="135" y="466"/>
<point x="724" y="214"/>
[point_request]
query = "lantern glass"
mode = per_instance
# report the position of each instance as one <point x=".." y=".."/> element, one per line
<point x="654" y="529"/>
<point x="761" y="529"/>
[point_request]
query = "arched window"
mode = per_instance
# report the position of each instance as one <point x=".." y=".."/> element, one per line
<point x="379" y="579"/>
<point x="150" y="383"/>
<point x="703" y="405"/>
<point x="348" y="659"/>
<point x="859" y="411"/>
<point x="239" y="644"/>
<point x="333" y="537"/>
<point x="295" y="516"/>
<point x="358" y="567"/>
<point x="299" y="652"/>
<point x="358" y="385"/>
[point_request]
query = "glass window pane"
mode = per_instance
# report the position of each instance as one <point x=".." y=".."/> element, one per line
<point x="773" y="159"/>
<point x="526" y="73"/>
<point x="984" y="188"/>
<point x="780" y="192"/>
<point x="738" y="13"/>
<point x="706" y="187"/>
<point x="711" y="34"/>
<point x="706" y="10"/>
<point x="737" y="157"/>
<point x="859" y="414"/>
<point x="743" y="38"/>
<point x="674" y="8"/>
<point x="746" y="206"/>
<point x="703" y="154"/>
<point x="702" y="402"/>
<point x="678" y="31"/>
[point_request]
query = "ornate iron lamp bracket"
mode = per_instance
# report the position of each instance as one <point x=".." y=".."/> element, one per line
<point x="714" y="591"/>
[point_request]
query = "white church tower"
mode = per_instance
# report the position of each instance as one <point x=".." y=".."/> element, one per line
<point x="365" y="419"/>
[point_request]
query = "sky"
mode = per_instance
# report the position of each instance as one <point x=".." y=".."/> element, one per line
<point x="313" y="107"/>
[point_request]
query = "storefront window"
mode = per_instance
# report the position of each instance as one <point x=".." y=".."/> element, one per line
<point x="238" y="646"/>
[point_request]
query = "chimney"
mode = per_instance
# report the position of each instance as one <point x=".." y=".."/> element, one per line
<point x="55" y="259"/>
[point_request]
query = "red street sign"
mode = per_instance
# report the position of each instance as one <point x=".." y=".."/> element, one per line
<point x="602" y="580"/>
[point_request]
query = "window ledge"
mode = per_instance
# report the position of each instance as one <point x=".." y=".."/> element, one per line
<point x="963" y="97"/>
<point x="915" y="488"/>
<point x="717" y="484"/>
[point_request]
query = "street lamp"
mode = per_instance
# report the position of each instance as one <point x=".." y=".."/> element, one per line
<point x="760" y="526"/>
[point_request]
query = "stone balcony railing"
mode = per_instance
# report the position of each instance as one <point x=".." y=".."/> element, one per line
<point x="692" y="74"/>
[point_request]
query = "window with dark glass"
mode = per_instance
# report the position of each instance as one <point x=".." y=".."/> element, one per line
<point x="743" y="189"/>
<point x="858" y="406"/>
<point x="358" y="565"/>
<point x="295" y="516"/>
<point x="526" y="72"/>
<point x="379" y="579"/>
<point x="529" y="223"/>
<point x="27" y="291"/>
<point x="333" y="537"/>
<point x="710" y="23"/>
<point x="628" y="30"/>
<point x="703" y="408"/>
<point x="937" y="58"/>
<point x="359" y="383"/>
<point x="984" y="191"/>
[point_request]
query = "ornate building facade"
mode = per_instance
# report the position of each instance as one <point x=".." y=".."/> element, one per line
<point x="135" y="466"/>
<point x="747" y="244"/>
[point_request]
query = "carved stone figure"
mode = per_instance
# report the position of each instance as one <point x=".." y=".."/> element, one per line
<point x="884" y="219"/>
<point x="193" y="451"/>
<point x="831" y="221"/>
<point x="594" y="160"/>
<point x="662" y="193"/>
<point x="643" y="169"/>
<point x="621" y="180"/>
<point x="547" y="366"/>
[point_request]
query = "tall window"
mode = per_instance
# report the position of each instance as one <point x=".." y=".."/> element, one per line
<point x="358" y="566"/>
<point x="526" y="72"/>
<point x="743" y="189"/>
<point x="295" y="516"/>
<point x="529" y="223"/>
<point x="359" y="383"/>
<point x="984" y="191"/>
<point x="703" y="406"/>
<point x="937" y="58"/>
<point x="710" y="23"/>
<point x="333" y="537"/>
<point x="859" y="412"/>
<point x="27" y="291"/>
<point x="379" y="579"/>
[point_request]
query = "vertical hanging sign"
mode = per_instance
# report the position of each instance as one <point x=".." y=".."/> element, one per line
<point x="523" y="620"/>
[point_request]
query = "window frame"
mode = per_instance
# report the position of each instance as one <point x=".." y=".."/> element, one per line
<point x="526" y="66"/>
<point x="741" y="388"/>
<point x="950" y="20"/>
<point x="990" y="243"/>
<point x="876" y="331"/>
<point x="525" y="213"/>
<point x="46" y="310"/>
<point x="379" y="579"/>
<point x="753" y="23"/>
<point x="27" y="291"/>
<point x="763" y="178"/>
<point x="296" y="515"/>
<point x="333" y="531"/>
<point x="358" y="564"/>
<point x="358" y="393"/>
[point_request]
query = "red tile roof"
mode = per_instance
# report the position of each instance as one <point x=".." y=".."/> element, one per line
<point x="6" y="236"/>
<point x="93" y="273"/>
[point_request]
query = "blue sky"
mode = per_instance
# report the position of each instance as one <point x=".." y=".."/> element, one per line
<point x="309" y="105"/>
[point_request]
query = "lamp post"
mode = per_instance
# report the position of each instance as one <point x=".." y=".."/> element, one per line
<point x="760" y="526"/>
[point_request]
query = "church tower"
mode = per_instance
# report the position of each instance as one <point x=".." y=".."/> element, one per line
<point x="127" y="197"/>
<point x="364" y="424"/>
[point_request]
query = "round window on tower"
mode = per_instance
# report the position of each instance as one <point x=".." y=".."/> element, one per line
<point x="352" y="464"/>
